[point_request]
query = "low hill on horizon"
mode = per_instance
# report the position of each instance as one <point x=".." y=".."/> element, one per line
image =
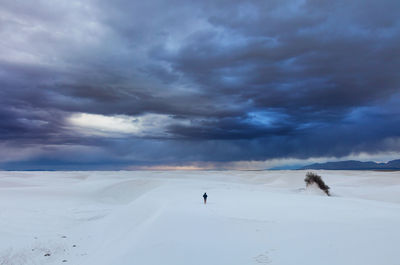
<point x="355" y="165"/>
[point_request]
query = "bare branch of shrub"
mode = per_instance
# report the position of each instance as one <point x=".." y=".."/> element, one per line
<point x="312" y="178"/>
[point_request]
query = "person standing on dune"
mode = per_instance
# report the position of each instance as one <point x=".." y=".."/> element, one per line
<point x="205" y="197"/>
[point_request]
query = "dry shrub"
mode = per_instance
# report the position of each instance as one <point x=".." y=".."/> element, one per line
<point x="312" y="178"/>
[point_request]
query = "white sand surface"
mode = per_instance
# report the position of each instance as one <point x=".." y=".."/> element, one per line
<point x="158" y="218"/>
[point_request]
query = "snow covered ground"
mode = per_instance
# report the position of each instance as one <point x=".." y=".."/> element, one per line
<point x="158" y="218"/>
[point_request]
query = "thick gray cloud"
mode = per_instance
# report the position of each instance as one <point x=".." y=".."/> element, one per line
<point x="238" y="80"/>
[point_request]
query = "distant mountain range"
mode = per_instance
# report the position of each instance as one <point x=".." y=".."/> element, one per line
<point x="355" y="165"/>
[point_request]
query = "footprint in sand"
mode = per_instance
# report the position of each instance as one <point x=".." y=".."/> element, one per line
<point x="263" y="258"/>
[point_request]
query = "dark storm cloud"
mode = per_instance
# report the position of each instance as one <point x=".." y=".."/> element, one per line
<point x="251" y="80"/>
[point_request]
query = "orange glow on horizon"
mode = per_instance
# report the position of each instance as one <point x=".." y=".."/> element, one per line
<point x="172" y="168"/>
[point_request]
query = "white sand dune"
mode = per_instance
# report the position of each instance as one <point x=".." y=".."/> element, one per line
<point x="149" y="218"/>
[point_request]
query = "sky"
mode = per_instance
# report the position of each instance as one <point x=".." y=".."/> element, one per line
<point x="128" y="84"/>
